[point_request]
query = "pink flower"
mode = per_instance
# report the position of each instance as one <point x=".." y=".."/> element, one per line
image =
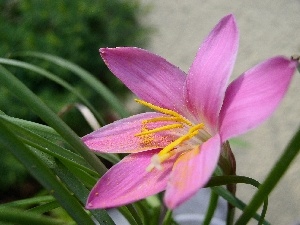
<point x="177" y="148"/>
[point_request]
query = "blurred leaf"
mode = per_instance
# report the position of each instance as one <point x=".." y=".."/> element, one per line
<point x="54" y="78"/>
<point x="13" y="215"/>
<point x="86" y="77"/>
<point x="40" y="171"/>
<point x="40" y="108"/>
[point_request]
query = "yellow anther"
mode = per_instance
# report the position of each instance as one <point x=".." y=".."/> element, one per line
<point x="164" y="111"/>
<point x="163" y="128"/>
<point x="192" y="132"/>
<point x="163" y="119"/>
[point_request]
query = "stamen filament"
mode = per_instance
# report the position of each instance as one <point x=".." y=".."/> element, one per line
<point x="196" y="127"/>
<point x="164" y="111"/>
<point x="163" y="128"/>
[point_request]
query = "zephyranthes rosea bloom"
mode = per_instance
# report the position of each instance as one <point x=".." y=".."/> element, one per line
<point x="176" y="148"/>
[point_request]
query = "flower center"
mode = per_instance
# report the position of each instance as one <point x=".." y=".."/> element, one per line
<point x="191" y="134"/>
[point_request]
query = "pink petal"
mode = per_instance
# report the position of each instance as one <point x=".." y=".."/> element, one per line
<point x="251" y="98"/>
<point x="192" y="171"/>
<point x="208" y="76"/>
<point x="147" y="75"/>
<point x="119" y="136"/>
<point x="128" y="181"/>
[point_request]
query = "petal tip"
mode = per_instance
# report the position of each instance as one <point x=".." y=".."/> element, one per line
<point x="229" y="18"/>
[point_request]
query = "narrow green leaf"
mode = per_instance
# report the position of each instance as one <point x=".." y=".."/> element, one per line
<point x="224" y="180"/>
<point x="13" y="215"/>
<point x="47" y="207"/>
<point x="127" y="214"/>
<point x="29" y="201"/>
<point x="213" y="203"/>
<point x="85" y="76"/>
<point x="42" y="173"/>
<point x="42" y="130"/>
<point x="54" y="78"/>
<point x="17" y="88"/>
<point x="49" y="147"/>
<point x="272" y="179"/>
<point x="81" y="192"/>
<point x="135" y="214"/>
<point x="168" y="218"/>
<point x="88" y="180"/>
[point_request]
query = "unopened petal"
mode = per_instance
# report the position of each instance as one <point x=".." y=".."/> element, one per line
<point x="192" y="171"/>
<point x="120" y="136"/>
<point x="208" y="76"/>
<point x="253" y="96"/>
<point x="128" y="181"/>
<point x="147" y="75"/>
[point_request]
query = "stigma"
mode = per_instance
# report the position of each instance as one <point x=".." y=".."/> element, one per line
<point x="188" y="135"/>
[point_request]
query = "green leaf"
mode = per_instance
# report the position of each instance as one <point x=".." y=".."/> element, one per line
<point x="13" y="215"/>
<point x="81" y="192"/>
<point x="43" y="174"/>
<point x="29" y="201"/>
<point x="213" y="203"/>
<point x="40" y="108"/>
<point x="217" y="181"/>
<point x="46" y="207"/>
<point x="86" y="77"/>
<point x="49" y="147"/>
<point x="42" y="130"/>
<point x="127" y="214"/>
<point x="54" y="78"/>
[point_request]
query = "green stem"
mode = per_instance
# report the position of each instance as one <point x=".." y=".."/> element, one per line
<point x="213" y="203"/>
<point x="272" y="179"/>
<point x="9" y="81"/>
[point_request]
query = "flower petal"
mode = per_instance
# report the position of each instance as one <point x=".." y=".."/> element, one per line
<point x="128" y="181"/>
<point x="120" y="136"/>
<point x="147" y="75"/>
<point x="192" y="171"/>
<point x="253" y="96"/>
<point x="208" y="76"/>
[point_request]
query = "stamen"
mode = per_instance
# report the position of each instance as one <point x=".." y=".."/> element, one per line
<point x="196" y="127"/>
<point x="176" y="146"/>
<point x="164" y="111"/>
<point x="167" y="152"/>
<point x="178" y="141"/>
<point x="163" y="128"/>
<point x="164" y="118"/>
